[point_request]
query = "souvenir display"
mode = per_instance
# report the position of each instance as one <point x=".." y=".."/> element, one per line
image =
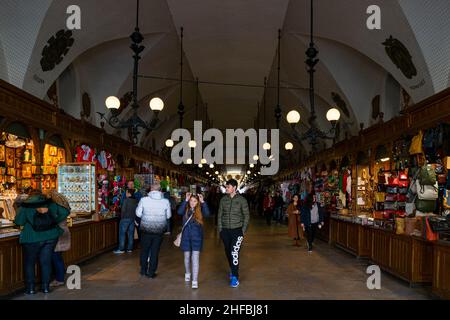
<point x="77" y="181"/>
<point x="53" y="156"/>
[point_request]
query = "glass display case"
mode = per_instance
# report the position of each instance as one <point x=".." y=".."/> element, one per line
<point x="77" y="181"/>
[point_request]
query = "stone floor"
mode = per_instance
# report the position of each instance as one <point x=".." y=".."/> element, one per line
<point x="271" y="268"/>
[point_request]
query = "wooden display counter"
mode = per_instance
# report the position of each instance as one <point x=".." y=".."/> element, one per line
<point x="351" y="237"/>
<point x="441" y="269"/>
<point x="408" y="258"/>
<point x="89" y="239"/>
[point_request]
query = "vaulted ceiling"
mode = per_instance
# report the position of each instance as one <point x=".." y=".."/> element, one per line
<point x="231" y="41"/>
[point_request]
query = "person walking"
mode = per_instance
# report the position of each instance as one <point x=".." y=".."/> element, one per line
<point x="268" y="206"/>
<point x="311" y="218"/>
<point x="126" y="224"/>
<point x="39" y="217"/>
<point x="293" y="211"/>
<point x="154" y="211"/>
<point x="233" y="220"/>
<point x="63" y="243"/>
<point x="193" y="210"/>
<point x="278" y="207"/>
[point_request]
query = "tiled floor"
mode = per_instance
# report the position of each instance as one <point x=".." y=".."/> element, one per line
<point x="271" y="268"/>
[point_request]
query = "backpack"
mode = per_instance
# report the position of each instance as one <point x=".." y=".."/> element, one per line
<point x="43" y="222"/>
<point x="427" y="175"/>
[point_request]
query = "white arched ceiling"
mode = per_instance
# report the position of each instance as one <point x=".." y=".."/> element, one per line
<point x="230" y="41"/>
<point x="19" y="24"/>
<point x="3" y="65"/>
<point x="100" y="22"/>
<point x="430" y="22"/>
<point x="345" y="22"/>
<point x="104" y="69"/>
<point x="359" y="78"/>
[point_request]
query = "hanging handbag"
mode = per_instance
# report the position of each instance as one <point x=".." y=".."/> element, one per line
<point x="391" y="197"/>
<point x="403" y="190"/>
<point x="390" y="206"/>
<point x="416" y="144"/>
<point x="425" y="205"/>
<point x="410" y="208"/>
<point x="427" y="192"/>
<point x="177" y="241"/>
<point x="393" y="181"/>
<point x="427" y="175"/>
<point x="379" y="196"/>
<point x="390" y="189"/>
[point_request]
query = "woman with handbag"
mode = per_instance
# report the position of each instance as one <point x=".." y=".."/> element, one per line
<point x="293" y="211"/>
<point x="39" y="217"/>
<point x="193" y="210"/>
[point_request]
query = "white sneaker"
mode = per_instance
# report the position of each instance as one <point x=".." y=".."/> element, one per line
<point x="194" y="284"/>
<point x="187" y="277"/>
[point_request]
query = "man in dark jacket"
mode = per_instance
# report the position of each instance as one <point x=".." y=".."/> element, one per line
<point x="126" y="224"/>
<point x="232" y="219"/>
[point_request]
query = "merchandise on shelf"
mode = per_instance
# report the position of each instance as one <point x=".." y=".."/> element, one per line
<point x="53" y="156"/>
<point x="77" y="181"/>
<point x="17" y="163"/>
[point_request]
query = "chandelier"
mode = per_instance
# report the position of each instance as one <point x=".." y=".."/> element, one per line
<point x="313" y="134"/>
<point x="134" y="123"/>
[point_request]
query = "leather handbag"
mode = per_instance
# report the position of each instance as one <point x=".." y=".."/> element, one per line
<point x="410" y="226"/>
<point x="416" y="144"/>
<point x="393" y="181"/>
<point x="400" y="225"/>
<point x="442" y="178"/>
<point x="391" y="197"/>
<point x="177" y="241"/>
<point x="425" y="205"/>
<point x="390" y="206"/>
<point x="403" y="190"/>
<point x="390" y="189"/>
<point x="379" y="196"/>
<point x="378" y="215"/>
<point x="426" y="192"/>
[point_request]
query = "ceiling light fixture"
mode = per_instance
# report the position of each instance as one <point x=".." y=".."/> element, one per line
<point x="293" y="117"/>
<point x="113" y="103"/>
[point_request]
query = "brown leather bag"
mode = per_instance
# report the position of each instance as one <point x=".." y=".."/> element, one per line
<point x="442" y="178"/>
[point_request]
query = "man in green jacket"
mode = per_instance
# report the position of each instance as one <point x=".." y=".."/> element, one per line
<point x="233" y="218"/>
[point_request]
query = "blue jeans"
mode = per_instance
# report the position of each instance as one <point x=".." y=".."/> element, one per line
<point x="126" y="226"/>
<point x="58" y="264"/>
<point x="32" y="252"/>
<point x="278" y="213"/>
